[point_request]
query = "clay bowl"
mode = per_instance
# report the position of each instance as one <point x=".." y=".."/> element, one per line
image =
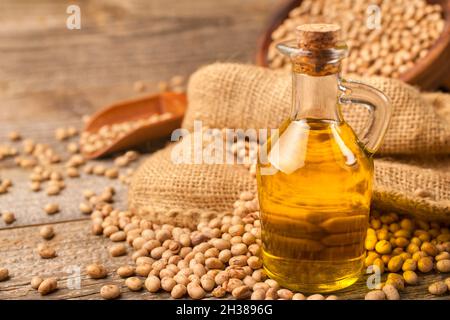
<point x="135" y="109"/>
<point x="430" y="72"/>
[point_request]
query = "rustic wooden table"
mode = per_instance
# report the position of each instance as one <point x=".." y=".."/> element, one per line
<point x="50" y="76"/>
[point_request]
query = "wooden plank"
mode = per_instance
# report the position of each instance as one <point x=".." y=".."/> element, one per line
<point x="27" y="205"/>
<point x="46" y="67"/>
<point x="50" y="76"/>
<point x="420" y="291"/>
<point x="76" y="248"/>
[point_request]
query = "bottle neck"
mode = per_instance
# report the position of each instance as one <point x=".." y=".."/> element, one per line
<point x="315" y="97"/>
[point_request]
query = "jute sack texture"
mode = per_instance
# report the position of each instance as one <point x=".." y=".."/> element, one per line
<point x="412" y="177"/>
<point x="185" y="194"/>
<point x="241" y="96"/>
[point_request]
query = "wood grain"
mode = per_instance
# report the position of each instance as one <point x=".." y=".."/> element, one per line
<point x="67" y="73"/>
<point x="50" y="76"/>
<point x="76" y="248"/>
<point x="27" y="205"/>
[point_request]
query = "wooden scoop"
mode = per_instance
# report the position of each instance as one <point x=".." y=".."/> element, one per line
<point x="136" y="109"/>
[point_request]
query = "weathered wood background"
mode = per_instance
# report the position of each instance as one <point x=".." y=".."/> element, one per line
<point x="50" y="76"/>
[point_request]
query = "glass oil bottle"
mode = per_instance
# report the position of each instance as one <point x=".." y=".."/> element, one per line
<point x="315" y="182"/>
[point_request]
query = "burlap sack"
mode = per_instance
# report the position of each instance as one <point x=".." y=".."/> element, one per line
<point x="420" y="188"/>
<point x="244" y="96"/>
<point x="185" y="194"/>
<point x="237" y="96"/>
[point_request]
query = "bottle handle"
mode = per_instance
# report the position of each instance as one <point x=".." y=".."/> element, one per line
<point x="379" y="107"/>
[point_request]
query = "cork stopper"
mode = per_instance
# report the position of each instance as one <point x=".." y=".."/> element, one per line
<point x="317" y="36"/>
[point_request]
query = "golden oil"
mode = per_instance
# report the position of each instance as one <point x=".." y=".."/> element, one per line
<point x="314" y="217"/>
